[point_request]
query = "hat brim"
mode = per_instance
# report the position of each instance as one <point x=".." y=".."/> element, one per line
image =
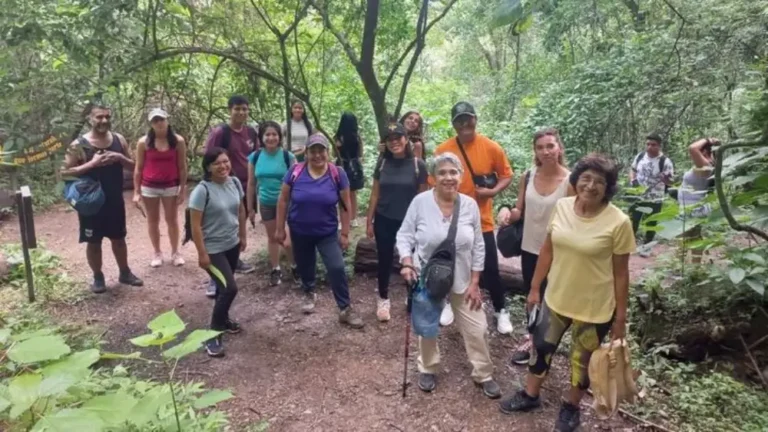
<point x="463" y="114"/>
<point x="323" y="145"/>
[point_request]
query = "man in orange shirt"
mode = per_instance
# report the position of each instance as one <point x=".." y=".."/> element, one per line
<point x="487" y="173"/>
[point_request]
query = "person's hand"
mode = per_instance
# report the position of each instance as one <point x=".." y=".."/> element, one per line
<point x="619" y="329"/>
<point x="100" y="159"/>
<point x="382" y="147"/>
<point x="482" y="192"/>
<point x="534" y="297"/>
<point x="369" y="231"/>
<point x="406" y="271"/>
<point x="137" y="199"/>
<point x="279" y="237"/>
<point x="344" y="241"/>
<point x="112" y="157"/>
<point x="243" y="242"/>
<point x="181" y="196"/>
<point x="473" y="297"/>
<point x="204" y="261"/>
<point x="252" y="217"/>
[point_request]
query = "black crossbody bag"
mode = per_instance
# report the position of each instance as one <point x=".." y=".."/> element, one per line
<point x="488" y="181"/>
<point x="438" y="272"/>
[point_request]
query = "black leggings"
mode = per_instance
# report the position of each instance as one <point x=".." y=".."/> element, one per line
<point x="222" y="272"/>
<point x="528" y="263"/>
<point x="638" y="216"/>
<point x="490" y="279"/>
<point x="385" y="230"/>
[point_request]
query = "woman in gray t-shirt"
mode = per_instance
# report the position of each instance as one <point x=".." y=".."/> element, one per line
<point x="398" y="177"/>
<point x="696" y="185"/>
<point x="217" y="221"/>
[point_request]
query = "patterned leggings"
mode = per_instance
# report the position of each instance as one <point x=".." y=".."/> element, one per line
<point x="546" y="338"/>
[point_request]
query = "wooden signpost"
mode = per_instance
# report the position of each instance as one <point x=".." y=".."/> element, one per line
<point x="28" y="237"/>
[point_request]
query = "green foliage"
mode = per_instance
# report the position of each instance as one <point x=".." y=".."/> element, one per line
<point x="52" y="283"/>
<point x="46" y="384"/>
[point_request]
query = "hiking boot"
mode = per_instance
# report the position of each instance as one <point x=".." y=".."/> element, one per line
<point x="128" y="278"/>
<point x="569" y="418"/>
<point x="503" y="324"/>
<point x="275" y="277"/>
<point x="519" y="401"/>
<point x="215" y="347"/>
<point x="427" y="382"/>
<point x="98" y="286"/>
<point x="446" y="316"/>
<point x="490" y="388"/>
<point x="350" y="318"/>
<point x="244" y="268"/>
<point x="157" y="260"/>
<point x="232" y="327"/>
<point x="382" y="310"/>
<point x="210" y="290"/>
<point x="523" y="353"/>
<point x="295" y="274"/>
<point x="308" y="305"/>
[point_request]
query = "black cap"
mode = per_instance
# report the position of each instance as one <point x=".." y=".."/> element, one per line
<point x="395" y="129"/>
<point x="655" y="136"/>
<point x="462" y="108"/>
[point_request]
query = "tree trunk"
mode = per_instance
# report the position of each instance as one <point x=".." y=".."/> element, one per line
<point x="367" y="262"/>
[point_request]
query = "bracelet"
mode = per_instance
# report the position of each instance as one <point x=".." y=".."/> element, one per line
<point x="408" y="266"/>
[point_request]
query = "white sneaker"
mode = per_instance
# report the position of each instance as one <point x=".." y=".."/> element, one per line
<point x="503" y="324"/>
<point x="178" y="260"/>
<point x="446" y="317"/>
<point x="157" y="261"/>
<point x="382" y="310"/>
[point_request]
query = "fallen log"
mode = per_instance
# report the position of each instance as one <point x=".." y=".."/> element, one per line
<point x="366" y="262"/>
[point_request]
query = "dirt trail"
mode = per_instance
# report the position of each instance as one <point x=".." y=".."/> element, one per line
<point x="300" y="373"/>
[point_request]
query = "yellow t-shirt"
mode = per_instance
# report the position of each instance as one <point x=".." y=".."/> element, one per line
<point x="581" y="285"/>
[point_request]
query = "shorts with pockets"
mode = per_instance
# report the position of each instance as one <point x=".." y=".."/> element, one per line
<point x="268" y="212"/>
<point x="151" y="192"/>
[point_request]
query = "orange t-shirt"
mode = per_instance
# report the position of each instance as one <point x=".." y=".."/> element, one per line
<point x="486" y="157"/>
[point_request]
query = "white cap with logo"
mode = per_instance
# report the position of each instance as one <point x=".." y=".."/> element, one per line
<point x="157" y="112"/>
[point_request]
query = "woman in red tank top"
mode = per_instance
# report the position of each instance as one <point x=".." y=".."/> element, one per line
<point x="160" y="177"/>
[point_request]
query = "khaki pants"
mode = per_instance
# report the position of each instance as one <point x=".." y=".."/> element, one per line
<point x="473" y="327"/>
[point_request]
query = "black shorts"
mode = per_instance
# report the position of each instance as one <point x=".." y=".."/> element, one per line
<point x="109" y="223"/>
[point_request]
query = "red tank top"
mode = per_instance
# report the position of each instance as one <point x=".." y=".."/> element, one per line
<point x="161" y="169"/>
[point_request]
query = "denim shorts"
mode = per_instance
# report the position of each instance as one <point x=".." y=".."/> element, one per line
<point x="150" y="192"/>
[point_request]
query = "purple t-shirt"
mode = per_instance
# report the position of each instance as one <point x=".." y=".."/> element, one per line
<point x="313" y="210"/>
<point x="240" y="146"/>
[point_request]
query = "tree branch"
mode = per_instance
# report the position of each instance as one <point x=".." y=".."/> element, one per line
<point x="368" y="46"/>
<point x="420" y="36"/>
<point x="720" y="191"/>
<point x="412" y="45"/>
<point x="351" y="54"/>
<point x="675" y="11"/>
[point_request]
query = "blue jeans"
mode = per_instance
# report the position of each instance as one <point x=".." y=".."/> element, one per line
<point x="304" y="254"/>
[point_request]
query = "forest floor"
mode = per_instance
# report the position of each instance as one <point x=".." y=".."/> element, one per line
<point x="297" y="372"/>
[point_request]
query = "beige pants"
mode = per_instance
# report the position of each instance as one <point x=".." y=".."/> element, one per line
<point x="473" y="327"/>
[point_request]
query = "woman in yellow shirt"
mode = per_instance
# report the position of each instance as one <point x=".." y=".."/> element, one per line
<point x="585" y="257"/>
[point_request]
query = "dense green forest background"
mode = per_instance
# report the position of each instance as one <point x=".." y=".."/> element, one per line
<point x="604" y="72"/>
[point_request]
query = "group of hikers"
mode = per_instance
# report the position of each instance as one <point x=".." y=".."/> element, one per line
<point x="575" y="244"/>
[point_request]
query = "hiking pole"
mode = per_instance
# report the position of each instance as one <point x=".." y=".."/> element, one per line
<point x="409" y="303"/>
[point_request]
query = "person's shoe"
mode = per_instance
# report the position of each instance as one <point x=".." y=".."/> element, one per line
<point x="232" y="327"/>
<point x="308" y="305"/>
<point x="503" y="324"/>
<point x="446" y="316"/>
<point x="99" y="285"/>
<point x="157" y="261"/>
<point x="244" y="268"/>
<point x="644" y="251"/>
<point x="275" y="277"/>
<point x="382" y="309"/>
<point x="215" y="347"/>
<point x="355" y="223"/>
<point x="295" y="274"/>
<point x="128" y="278"/>
<point x="350" y="318"/>
<point x="427" y="382"/>
<point x="210" y="290"/>
<point x="569" y="418"/>
<point x="490" y="388"/>
<point x="523" y="352"/>
<point x="519" y="401"/>
<point x="178" y="260"/>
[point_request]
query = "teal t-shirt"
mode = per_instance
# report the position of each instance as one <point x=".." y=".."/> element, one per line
<point x="270" y="170"/>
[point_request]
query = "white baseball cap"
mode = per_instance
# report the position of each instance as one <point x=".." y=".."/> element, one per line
<point x="157" y="112"/>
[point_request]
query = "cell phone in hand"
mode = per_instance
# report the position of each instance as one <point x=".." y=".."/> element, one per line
<point x="533" y="318"/>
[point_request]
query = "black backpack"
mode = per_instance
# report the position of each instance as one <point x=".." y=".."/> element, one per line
<point x="188" y="218"/>
<point x="662" y="161"/>
<point x="286" y="158"/>
<point x="438" y="272"/>
<point x="226" y="136"/>
<point x="509" y="239"/>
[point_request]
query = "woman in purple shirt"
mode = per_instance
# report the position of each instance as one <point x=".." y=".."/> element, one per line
<point x="309" y="197"/>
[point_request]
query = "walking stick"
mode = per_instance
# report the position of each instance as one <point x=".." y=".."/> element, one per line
<point x="409" y="288"/>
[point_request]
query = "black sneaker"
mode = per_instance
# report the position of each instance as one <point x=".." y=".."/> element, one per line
<point x="128" y="278"/>
<point x="295" y="274"/>
<point x="569" y="418"/>
<point x="522" y="354"/>
<point x="98" y="286"/>
<point x="232" y="327"/>
<point x="244" y="268"/>
<point x="491" y="389"/>
<point x="215" y="347"/>
<point x="210" y="289"/>
<point x="427" y="382"/>
<point x="308" y="305"/>
<point x="519" y="401"/>
<point x="275" y="277"/>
